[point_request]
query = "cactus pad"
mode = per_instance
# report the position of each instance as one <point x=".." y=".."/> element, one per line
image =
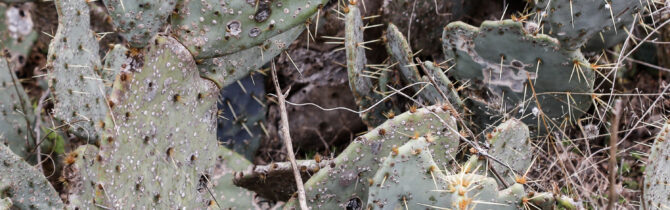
<point x="554" y="72"/>
<point x="114" y="63"/>
<point x="227" y="69"/>
<point x="213" y="28"/>
<point x="75" y="66"/>
<point x="574" y="22"/>
<point x="657" y="174"/>
<point x="81" y="174"/>
<point x="510" y="142"/>
<point x="25" y="185"/>
<point x="13" y="128"/>
<point x="225" y="193"/>
<point x="148" y="160"/>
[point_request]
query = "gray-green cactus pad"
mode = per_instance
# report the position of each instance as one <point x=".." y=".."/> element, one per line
<point x="14" y="130"/>
<point x="409" y="179"/>
<point x="212" y="28"/>
<point x="510" y="143"/>
<point x="160" y="138"/>
<point x="74" y="69"/>
<point x="227" y="69"/>
<point x="478" y="53"/>
<point x="25" y="185"/>
<point x="139" y="21"/>
<point x="347" y="176"/>
<point x="657" y="172"/>
<point x="574" y="22"/>
<point x="114" y="63"/>
<point x="359" y="80"/>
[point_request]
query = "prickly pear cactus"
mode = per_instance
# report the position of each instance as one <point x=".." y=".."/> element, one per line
<point x="503" y="58"/>
<point x="400" y="51"/>
<point x="139" y="21"/>
<point x="147" y="160"/>
<point x="408" y="179"/>
<point x="510" y="142"/>
<point x="114" y="63"/>
<point x="80" y="176"/>
<point x="443" y="83"/>
<point x="24" y="185"/>
<point x="226" y="195"/>
<point x="15" y="113"/>
<point x="212" y="28"/>
<point x="573" y="23"/>
<point x="74" y="68"/>
<point x="360" y="83"/>
<point x="227" y="69"/>
<point x="657" y="174"/>
<point x="16" y="33"/>
<point x="346" y="179"/>
<point x="241" y="113"/>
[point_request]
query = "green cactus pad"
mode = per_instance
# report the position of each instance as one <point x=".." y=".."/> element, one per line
<point x="227" y="69"/>
<point x="14" y="131"/>
<point x="214" y="28"/>
<point x="114" y="63"/>
<point x="346" y="179"/>
<point x="25" y="185"/>
<point x="360" y="84"/>
<point x="227" y="195"/>
<point x="409" y="179"/>
<point x="74" y="69"/>
<point x="16" y="33"/>
<point x="510" y="143"/>
<point x="443" y="83"/>
<point x="478" y="54"/>
<point x="81" y="177"/>
<point x="657" y="172"/>
<point x="574" y="22"/>
<point x="160" y="137"/>
<point x="400" y="51"/>
<point x="139" y="21"/>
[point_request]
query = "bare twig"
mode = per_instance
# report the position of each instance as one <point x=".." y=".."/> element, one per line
<point x="614" y="138"/>
<point x="38" y="122"/>
<point x="287" y="140"/>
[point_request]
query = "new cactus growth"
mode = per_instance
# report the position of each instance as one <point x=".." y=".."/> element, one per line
<point x="24" y="185"/>
<point x="656" y="174"/>
<point x="114" y="63"/>
<point x="528" y="76"/>
<point x="74" y="71"/>
<point x="510" y="141"/>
